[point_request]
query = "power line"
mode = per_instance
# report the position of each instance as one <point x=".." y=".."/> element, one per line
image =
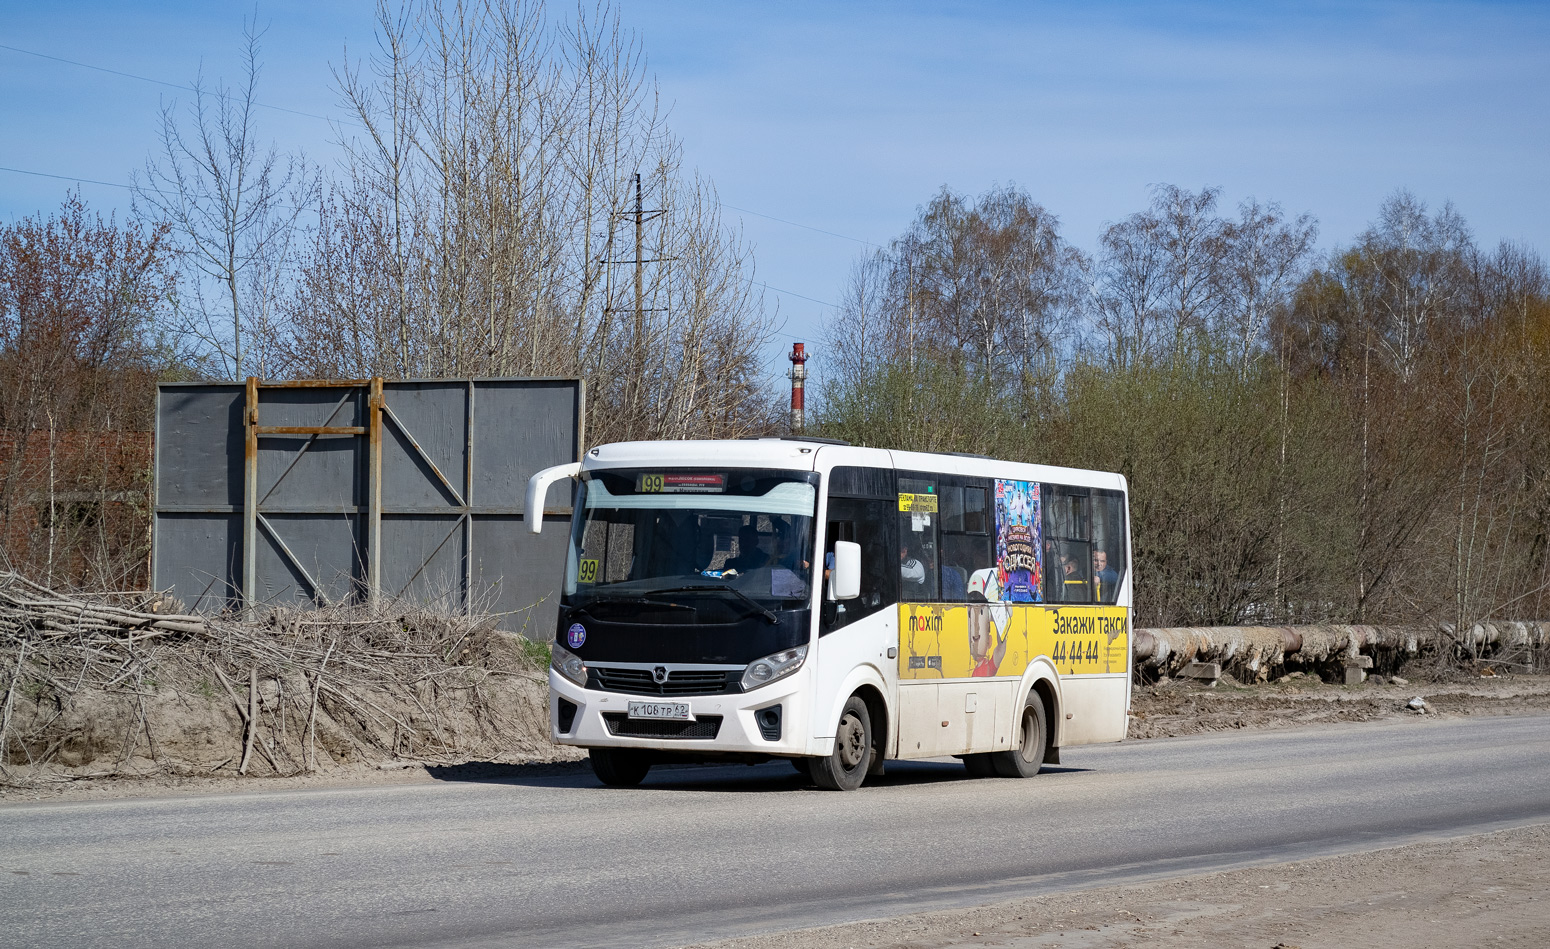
<point x="163" y="82"/>
<point x="115" y="184"/>
<point x="806" y="227"/>
<point x="793" y="293"/>
<point x="314" y="115"/>
<point x="85" y="181"/>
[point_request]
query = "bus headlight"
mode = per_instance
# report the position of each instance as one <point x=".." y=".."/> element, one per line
<point x="767" y="670"/>
<point x="567" y="664"/>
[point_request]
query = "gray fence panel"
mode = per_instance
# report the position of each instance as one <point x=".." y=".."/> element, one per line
<point x="455" y="456"/>
<point x="198" y="557"/>
<point x="537" y="561"/>
<point x="199" y="447"/>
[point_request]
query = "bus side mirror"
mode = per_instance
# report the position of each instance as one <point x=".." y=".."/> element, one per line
<point x="845" y="578"/>
<point x="538" y="485"/>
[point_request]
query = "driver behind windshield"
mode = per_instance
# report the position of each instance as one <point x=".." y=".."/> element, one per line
<point x="749" y="555"/>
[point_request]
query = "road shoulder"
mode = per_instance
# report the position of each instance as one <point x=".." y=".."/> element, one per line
<point x="1480" y="890"/>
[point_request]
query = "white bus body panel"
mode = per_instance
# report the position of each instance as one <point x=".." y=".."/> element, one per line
<point x="955" y="717"/>
<point x="738" y="731"/>
<point x="847" y="659"/>
<point x="1096" y="706"/>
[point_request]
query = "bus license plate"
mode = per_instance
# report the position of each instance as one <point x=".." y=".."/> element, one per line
<point x="673" y="711"/>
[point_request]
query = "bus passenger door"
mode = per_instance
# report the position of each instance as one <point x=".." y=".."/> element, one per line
<point x="860" y="631"/>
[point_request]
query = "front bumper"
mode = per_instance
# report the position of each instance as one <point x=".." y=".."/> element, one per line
<point x="738" y="733"/>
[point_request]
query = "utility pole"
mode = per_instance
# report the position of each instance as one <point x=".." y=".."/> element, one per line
<point x="640" y="283"/>
<point x="635" y="386"/>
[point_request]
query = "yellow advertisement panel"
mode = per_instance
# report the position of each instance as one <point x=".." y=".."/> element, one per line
<point x="967" y="640"/>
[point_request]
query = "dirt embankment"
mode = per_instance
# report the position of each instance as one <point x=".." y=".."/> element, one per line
<point x="95" y="688"/>
<point x="1174" y="707"/>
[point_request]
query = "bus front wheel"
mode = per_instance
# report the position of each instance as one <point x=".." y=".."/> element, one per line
<point x="619" y="768"/>
<point x="1027" y="758"/>
<point x="846" y="767"/>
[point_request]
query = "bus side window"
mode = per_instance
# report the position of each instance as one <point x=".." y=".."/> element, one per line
<point x="967" y="548"/>
<point x="916" y="561"/>
<point x="1109" y="546"/>
<point x="869" y="523"/>
<point x="1067" y="545"/>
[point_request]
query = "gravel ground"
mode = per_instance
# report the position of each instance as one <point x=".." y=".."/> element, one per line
<point x="1486" y="890"/>
<point x="1180" y="707"/>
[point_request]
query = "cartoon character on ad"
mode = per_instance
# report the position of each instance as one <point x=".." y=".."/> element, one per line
<point x="987" y="639"/>
<point x="1019" y="567"/>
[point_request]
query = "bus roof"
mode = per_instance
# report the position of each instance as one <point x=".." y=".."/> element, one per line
<point x="796" y="454"/>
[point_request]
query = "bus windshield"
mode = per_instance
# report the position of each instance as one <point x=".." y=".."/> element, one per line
<point x="746" y="535"/>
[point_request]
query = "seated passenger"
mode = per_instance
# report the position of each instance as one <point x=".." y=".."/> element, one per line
<point x="911" y="571"/>
<point x="1073" y="584"/>
<point x="1107" y="577"/>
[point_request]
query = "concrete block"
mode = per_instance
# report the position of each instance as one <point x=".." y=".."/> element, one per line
<point x="1354" y="674"/>
<point x="1210" y="671"/>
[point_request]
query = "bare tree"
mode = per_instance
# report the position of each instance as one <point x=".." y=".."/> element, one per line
<point x="233" y="203"/>
<point x="485" y="222"/>
<point x="1408" y="277"/>
<point x="1159" y="286"/>
<point x="1265" y="256"/>
<point x="986" y="285"/>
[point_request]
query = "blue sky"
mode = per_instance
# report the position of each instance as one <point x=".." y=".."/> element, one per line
<point x="847" y="117"/>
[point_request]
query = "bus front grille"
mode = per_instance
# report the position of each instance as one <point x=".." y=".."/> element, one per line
<point x="678" y="681"/>
<point x="707" y="726"/>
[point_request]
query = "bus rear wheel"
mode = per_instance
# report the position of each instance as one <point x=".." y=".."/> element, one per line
<point x="619" y="768"/>
<point x="1027" y="758"/>
<point x="846" y="767"/>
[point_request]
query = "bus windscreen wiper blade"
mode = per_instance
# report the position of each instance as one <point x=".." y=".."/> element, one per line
<point x="629" y="601"/>
<point x="707" y="588"/>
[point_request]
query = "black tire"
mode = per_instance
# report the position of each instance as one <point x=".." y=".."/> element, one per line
<point x="1027" y="758"/>
<point x="619" y="768"/>
<point x="981" y="766"/>
<point x="846" y="767"/>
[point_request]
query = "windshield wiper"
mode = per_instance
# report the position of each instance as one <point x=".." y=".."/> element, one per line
<point x="626" y="601"/>
<point x="707" y="588"/>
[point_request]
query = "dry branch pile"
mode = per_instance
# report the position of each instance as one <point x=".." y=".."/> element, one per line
<point x="111" y="684"/>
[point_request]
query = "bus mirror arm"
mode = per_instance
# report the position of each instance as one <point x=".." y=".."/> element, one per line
<point x="538" y="486"/>
<point x="845" y="578"/>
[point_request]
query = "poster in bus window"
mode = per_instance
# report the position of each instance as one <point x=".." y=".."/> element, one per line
<point x="1019" y="557"/>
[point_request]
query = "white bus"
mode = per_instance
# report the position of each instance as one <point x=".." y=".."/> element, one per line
<point x="836" y="606"/>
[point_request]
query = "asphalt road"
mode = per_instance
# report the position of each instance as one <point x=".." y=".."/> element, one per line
<point x="524" y="859"/>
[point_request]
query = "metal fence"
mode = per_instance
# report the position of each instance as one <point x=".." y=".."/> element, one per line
<point x="349" y="490"/>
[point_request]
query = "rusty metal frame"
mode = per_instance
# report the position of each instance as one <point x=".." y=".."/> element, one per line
<point x="378" y="412"/>
<point x="253" y="519"/>
<point x="374" y="495"/>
